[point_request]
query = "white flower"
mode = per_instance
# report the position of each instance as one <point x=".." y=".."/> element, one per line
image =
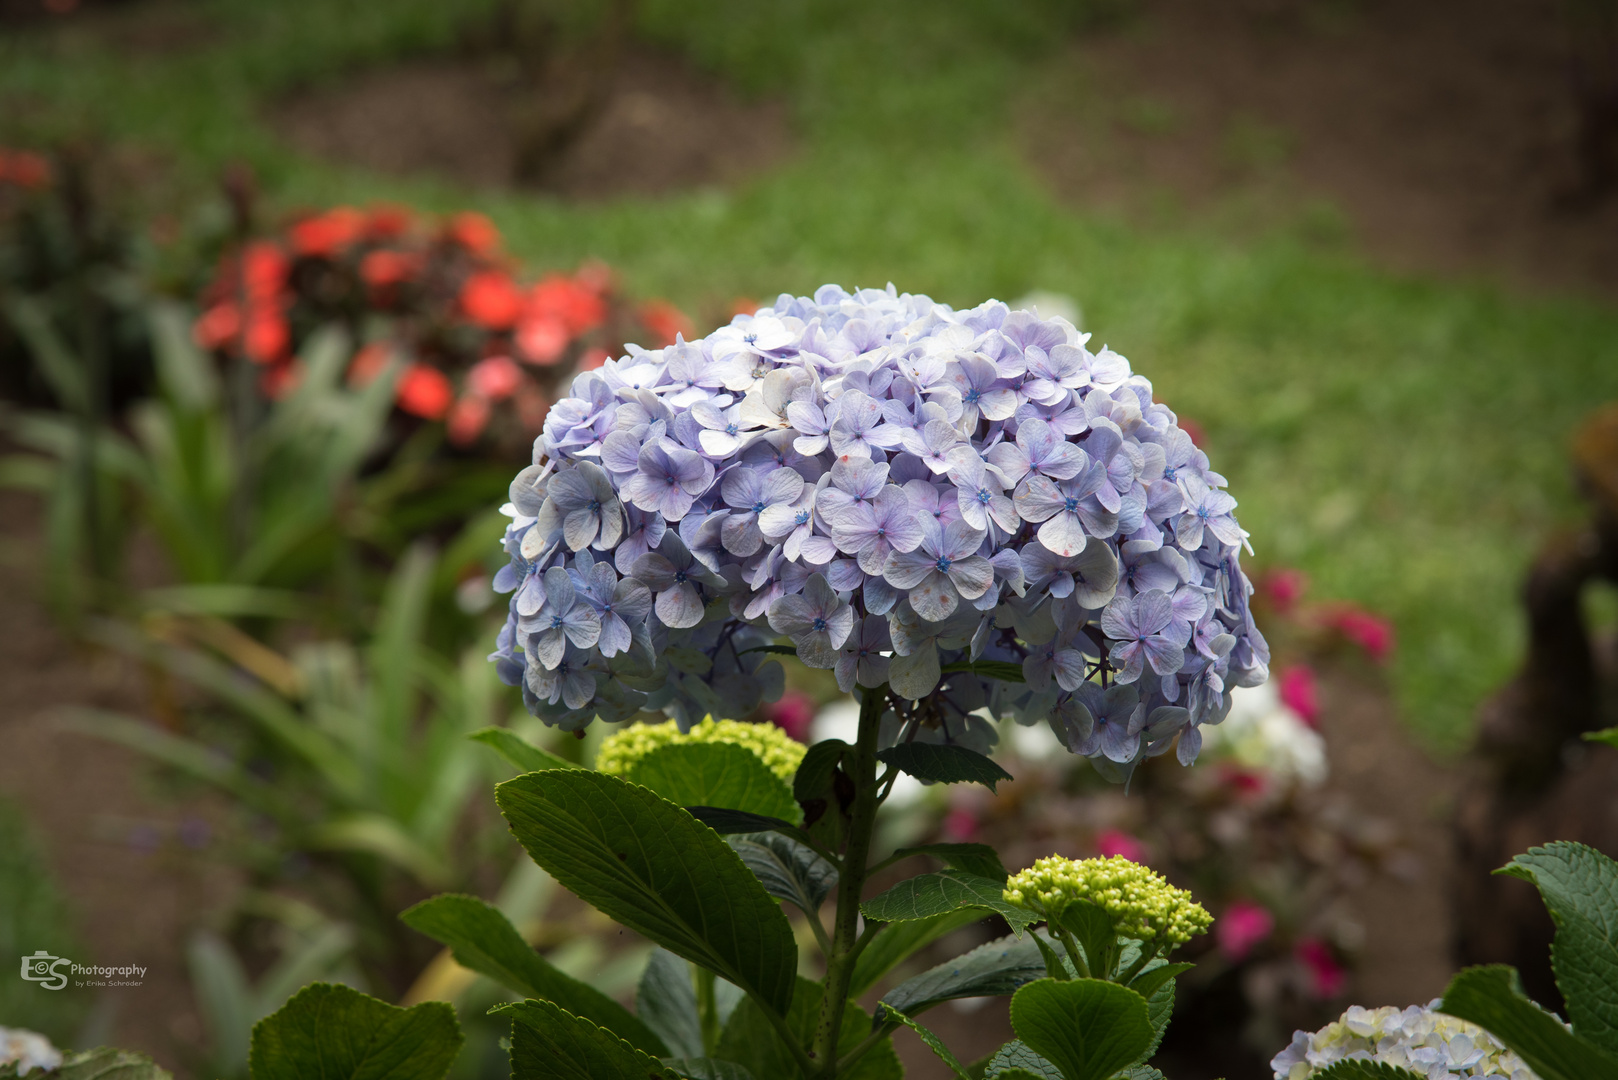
<point x="1262" y="733"/>
<point x="1427" y="1042"/>
<point x="27" y="1051"/>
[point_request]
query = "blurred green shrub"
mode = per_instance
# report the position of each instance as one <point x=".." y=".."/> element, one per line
<point x="33" y="916"/>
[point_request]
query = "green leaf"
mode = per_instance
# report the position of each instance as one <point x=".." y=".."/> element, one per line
<point x="1016" y="1061"/>
<point x="1087" y="1028"/>
<point x="926" y="895"/>
<point x="788" y="870"/>
<point x="779" y="650"/>
<point x="1093" y="929"/>
<point x="1153" y="979"/>
<point x="653" y="867"/>
<point x="484" y="941"/>
<point x="884" y="1013"/>
<point x="751" y="1041"/>
<point x="898" y="941"/>
<point x="1580" y="889"/>
<point x="824" y="792"/>
<point x="519" y="751"/>
<point x="1366" y="1070"/>
<point x="1000" y="967"/>
<point x="728" y="822"/>
<point x="706" y="1068"/>
<point x="715" y="774"/>
<point x="103" y="1063"/>
<point x="1160" y="1010"/>
<point x="1606" y="735"/>
<point x="979" y="859"/>
<point x="1004" y="670"/>
<point x="1490" y="997"/>
<point x="666" y="1002"/>
<point x="337" y="1033"/>
<point x="550" y="1043"/>
<point x="944" y="764"/>
<point x="1140" y="1072"/>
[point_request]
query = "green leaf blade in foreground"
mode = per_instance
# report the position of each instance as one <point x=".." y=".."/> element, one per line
<point x="979" y="859"/>
<point x="886" y="1014"/>
<point x="1087" y="1028"/>
<point x="1488" y="996"/>
<point x="483" y="940"/>
<point x="944" y="764"/>
<point x="899" y="941"/>
<point x="1366" y="1070"/>
<point x="1017" y="1061"/>
<point x="1580" y="889"/>
<point x="337" y="1033"/>
<point x="788" y="870"/>
<point x="751" y="1041"/>
<point x="550" y="1043"/>
<point x="519" y="751"/>
<point x="707" y="1068"/>
<point x="666" y="1001"/>
<point x="927" y="895"/>
<point x="653" y="867"/>
<point x="103" y="1063"/>
<point x="999" y="968"/>
<point x="715" y="774"/>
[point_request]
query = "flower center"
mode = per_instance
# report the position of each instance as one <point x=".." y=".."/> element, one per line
<point x="1072" y="505"/>
<point x="943" y="565"/>
<point x="1168" y="472"/>
<point x="679" y="577"/>
<point x="556" y="622"/>
<point x="983" y="495"/>
<point x="758" y="507"/>
<point x="730" y="429"/>
<point x="972" y="397"/>
<point x="802" y="518"/>
<point x="595" y="506"/>
<point x="819" y="624"/>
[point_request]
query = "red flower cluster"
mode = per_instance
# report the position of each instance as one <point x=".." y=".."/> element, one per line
<point x="478" y="348"/>
<point x="24" y="169"/>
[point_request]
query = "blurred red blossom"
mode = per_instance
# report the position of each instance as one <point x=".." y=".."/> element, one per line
<point x="1300" y="692"/>
<point x="424" y="391"/>
<point x="1327" y="975"/>
<point x="1243" y="925"/>
<point x="793" y="714"/>
<point x="1371" y="632"/>
<point x="1117" y="842"/>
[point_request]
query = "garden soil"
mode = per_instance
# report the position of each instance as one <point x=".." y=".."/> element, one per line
<point x="1438" y="137"/>
<point x="140" y="867"/>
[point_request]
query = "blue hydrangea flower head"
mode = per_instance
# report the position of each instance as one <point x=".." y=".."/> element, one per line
<point x="900" y="489"/>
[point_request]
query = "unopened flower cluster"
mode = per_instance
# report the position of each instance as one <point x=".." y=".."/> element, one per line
<point x="898" y="488"/>
<point x="1423" y="1040"/>
<point x="1141" y="903"/>
<point x="27" y="1051"/>
<point x="780" y="752"/>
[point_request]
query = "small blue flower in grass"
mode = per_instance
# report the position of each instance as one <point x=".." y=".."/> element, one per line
<point x="898" y="487"/>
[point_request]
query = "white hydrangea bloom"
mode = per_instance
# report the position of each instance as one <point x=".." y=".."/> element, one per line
<point x="27" y="1051"/>
<point x="1421" y="1039"/>
<point x="1262" y="733"/>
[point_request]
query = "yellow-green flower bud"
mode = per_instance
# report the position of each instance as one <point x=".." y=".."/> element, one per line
<point x="1142" y="904"/>
<point x="778" y="750"/>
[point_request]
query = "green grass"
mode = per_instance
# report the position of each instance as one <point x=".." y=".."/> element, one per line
<point x="1402" y="440"/>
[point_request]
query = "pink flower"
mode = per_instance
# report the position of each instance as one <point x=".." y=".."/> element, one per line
<point x="1285" y="587"/>
<point x="960" y="824"/>
<point x="1116" y="842"/>
<point x="1243" y="925"/>
<point x="1327" y="976"/>
<point x="1301" y="694"/>
<point x="494" y="378"/>
<point x="792" y="714"/>
<point x="1373" y="633"/>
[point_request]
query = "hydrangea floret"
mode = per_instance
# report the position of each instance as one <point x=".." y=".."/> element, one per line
<point x="1421" y="1039"/>
<point x="27" y="1051"/>
<point x="780" y="752"/>
<point x="1140" y="902"/>
<point x="905" y="492"/>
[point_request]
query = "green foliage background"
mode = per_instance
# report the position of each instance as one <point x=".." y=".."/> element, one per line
<point x="1402" y="440"/>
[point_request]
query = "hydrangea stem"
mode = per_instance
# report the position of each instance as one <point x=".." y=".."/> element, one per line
<point x="846" y="943"/>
